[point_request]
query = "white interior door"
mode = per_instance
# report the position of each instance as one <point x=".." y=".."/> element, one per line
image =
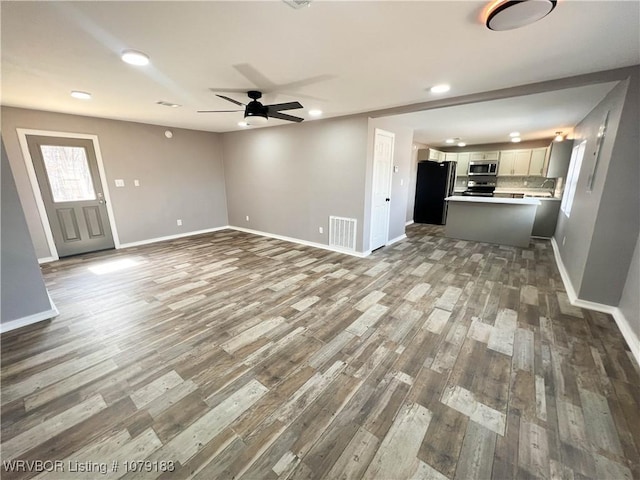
<point x="382" y="166"/>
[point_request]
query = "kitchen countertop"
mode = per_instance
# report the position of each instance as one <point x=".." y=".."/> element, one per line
<point x="494" y="200"/>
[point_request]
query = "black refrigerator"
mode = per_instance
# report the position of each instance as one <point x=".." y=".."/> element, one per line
<point x="435" y="181"/>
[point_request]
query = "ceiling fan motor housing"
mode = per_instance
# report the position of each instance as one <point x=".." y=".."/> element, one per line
<point x="256" y="109"/>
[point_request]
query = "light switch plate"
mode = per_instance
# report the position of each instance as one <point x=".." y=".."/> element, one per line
<point x="119" y="182"/>
<point x="136" y="183"/>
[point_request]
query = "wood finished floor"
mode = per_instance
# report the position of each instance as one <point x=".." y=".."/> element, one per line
<point x="238" y="356"/>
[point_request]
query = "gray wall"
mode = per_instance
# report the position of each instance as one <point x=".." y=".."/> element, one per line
<point x="180" y="178"/>
<point x="630" y="299"/>
<point x="602" y="230"/>
<point x="290" y="179"/>
<point x="23" y="290"/>
<point x="402" y="155"/>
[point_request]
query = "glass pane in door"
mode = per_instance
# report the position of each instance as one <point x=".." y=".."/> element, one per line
<point x="68" y="173"/>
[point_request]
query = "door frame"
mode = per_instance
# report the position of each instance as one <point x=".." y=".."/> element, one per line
<point x="373" y="176"/>
<point x="37" y="193"/>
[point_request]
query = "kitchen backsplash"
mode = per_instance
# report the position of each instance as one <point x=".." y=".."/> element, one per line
<point x="515" y="182"/>
<point x="525" y="182"/>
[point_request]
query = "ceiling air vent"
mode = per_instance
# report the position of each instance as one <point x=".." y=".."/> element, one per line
<point x="297" y="3"/>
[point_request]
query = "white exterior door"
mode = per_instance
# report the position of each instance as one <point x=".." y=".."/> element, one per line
<point x="382" y="165"/>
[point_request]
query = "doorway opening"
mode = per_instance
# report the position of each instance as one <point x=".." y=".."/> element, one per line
<point x="68" y="182"/>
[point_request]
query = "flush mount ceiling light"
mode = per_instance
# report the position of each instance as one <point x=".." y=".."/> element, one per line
<point x="315" y="113"/>
<point x="81" y="95"/>
<point x="298" y="3"/>
<point x="450" y="140"/>
<point x="514" y="134"/>
<point x="559" y="137"/>
<point x="516" y="139"/>
<point x="462" y="144"/>
<point x="133" y="57"/>
<point x="168" y="104"/>
<point x="243" y="124"/>
<point x="442" y="88"/>
<point x="509" y="14"/>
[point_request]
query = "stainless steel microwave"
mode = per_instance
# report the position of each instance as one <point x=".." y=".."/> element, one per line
<point x="483" y="168"/>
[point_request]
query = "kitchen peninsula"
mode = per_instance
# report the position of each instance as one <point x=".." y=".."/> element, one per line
<point x="505" y="221"/>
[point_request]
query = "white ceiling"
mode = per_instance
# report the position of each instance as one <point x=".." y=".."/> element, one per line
<point x="342" y="57"/>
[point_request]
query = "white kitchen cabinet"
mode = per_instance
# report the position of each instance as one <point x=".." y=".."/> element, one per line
<point x="450" y="157"/>
<point x="537" y="163"/>
<point x="462" y="169"/>
<point x="478" y="156"/>
<point x="559" y="156"/>
<point x="430" y="154"/>
<point x="514" y="163"/>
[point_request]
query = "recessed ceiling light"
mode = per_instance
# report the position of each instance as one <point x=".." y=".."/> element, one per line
<point x="440" y="88"/>
<point x="168" y="104"/>
<point x="134" y="57"/>
<point x="315" y="113"/>
<point x="450" y="140"/>
<point x="243" y="124"/>
<point x="509" y="14"/>
<point x="516" y="139"/>
<point x="81" y="95"/>
<point x="514" y="134"/>
<point x="462" y="144"/>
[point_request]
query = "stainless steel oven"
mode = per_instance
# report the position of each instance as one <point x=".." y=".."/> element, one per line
<point x="481" y="186"/>
<point x="483" y="168"/>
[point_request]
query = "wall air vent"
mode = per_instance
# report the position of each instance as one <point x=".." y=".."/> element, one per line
<point x="342" y="233"/>
<point x="298" y="3"/>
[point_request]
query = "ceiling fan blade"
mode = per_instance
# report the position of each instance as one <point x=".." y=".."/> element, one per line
<point x="218" y="111"/>
<point x="284" y="116"/>
<point x="254" y="76"/>
<point x="276" y="107"/>
<point x="230" y="100"/>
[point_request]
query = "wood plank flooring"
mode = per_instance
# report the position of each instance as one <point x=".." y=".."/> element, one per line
<point x="228" y="355"/>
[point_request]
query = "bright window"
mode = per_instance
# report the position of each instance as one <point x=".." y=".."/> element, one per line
<point x="572" y="178"/>
<point x="68" y="173"/>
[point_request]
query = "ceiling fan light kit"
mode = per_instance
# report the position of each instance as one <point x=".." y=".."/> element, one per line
<point x="511" y="14"/>
<point x="255" y="113"/>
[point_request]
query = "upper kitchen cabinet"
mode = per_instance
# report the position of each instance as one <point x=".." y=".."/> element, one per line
<point x="479" y="156"/>
<point x="559" y="157"/>
<point x="463" y="164"/>
<point x="514" y="163"/>
<point x="430" y="154"/>
<point x="537" y="162"/>
<point x="450" y="157"/>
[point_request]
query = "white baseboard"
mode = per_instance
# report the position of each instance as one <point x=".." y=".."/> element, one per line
<point x="30" y="319"/>
<point x="298" y="241"/>
<point x="171" y="237"/>
<point x="47" y="259"/>
<point x="396" y="240"/>
<point x="623" y="324"/>
<point x="410" y="222"/>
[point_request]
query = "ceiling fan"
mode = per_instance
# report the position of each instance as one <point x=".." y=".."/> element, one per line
<point x="255" y="113"/>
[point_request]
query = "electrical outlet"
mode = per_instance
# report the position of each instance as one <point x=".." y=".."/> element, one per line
<point x="320" y="230"/>
<point x="179" y="222"/>
<point x="247" y="218"/>
<point x="525" y="183"/>
<point x="119" y="182"/>
<point x="136" y="183"/>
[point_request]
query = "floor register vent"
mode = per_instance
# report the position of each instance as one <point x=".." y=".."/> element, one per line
<point x="342" y="233"/>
